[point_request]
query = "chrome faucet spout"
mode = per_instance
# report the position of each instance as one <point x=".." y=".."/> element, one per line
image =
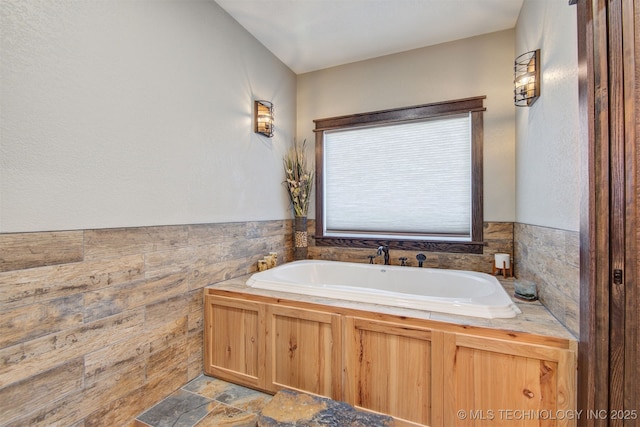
<point x="384" y="249"/>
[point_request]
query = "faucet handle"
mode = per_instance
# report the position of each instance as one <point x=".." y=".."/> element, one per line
<point x="403" y="261"/>
<point x="421" y="258"/>
<point x="371" y="257"/>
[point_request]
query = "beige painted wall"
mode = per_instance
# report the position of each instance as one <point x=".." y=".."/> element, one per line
<point x="126" y="113"/>
<point x="471" y="67"/>
<point x="546" y="238"/>
<point x="547" y="150"/>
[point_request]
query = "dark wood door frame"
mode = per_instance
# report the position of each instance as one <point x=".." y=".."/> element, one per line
<point x="609" y="96"/>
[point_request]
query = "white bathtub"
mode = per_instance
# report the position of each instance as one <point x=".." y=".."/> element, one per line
<point x="448" y="291"/>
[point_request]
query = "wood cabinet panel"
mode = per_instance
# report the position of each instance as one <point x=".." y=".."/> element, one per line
<point x="506" y="382"/>
<point x="423" y="373"/>
<point x="235" y="336"/>
<point x="388" y="369"/>
<point x="304" y="351"/>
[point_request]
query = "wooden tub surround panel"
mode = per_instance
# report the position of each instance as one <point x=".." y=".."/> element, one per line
<point x="385" y="359"/>
<point x="237" y="328"/>
<point x="420" y="371"/>
<point x="302" y="351"/>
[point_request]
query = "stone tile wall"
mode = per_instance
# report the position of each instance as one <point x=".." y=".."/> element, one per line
<point x="551" y="259"/>
<point x="98" y="325"/>
<point x="498" y="237"/>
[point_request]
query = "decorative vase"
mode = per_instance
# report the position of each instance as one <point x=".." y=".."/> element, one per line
<point x="300" y="237"/>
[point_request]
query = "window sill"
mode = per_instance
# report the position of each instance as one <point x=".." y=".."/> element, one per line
<point x="409" y="245"/>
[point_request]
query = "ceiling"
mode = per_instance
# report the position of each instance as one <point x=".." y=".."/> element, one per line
<point x="309" y="35"/>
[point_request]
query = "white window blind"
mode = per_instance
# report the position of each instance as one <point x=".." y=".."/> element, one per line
<point x="412" y="179"/>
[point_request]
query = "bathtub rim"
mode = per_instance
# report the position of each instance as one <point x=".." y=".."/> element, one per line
<point x="507" y="309"/>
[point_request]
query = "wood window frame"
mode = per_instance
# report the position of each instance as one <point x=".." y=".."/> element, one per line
<point x="474" y="106"/>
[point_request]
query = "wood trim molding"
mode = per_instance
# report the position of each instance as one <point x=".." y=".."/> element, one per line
<point x="631" y="71"/>
<point x="404" y="114"/>
<point x="474" y="106"/>
<point x="609" y="369"/>
<point x="407" y="245"/>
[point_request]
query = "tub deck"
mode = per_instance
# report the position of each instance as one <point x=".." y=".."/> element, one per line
<point x="347" y="350"/>
<point x="534" y="319"/>
<point x="466" y="293"/>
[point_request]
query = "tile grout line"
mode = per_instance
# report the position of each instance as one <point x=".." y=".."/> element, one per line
<point x="204" y="416"/>
<point x="207" y="414"/>
<point x="218" y="404"/>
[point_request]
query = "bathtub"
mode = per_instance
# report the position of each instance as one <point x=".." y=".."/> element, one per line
<point x="466" y="293"/>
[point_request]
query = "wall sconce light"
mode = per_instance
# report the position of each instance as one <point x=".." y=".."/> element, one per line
<point x="526" y="78"/>
<point x="263" y="118"/>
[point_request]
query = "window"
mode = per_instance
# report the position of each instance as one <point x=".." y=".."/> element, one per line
<point x="409" y="176"/>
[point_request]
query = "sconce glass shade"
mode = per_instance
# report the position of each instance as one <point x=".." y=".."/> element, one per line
<point x="263" y="118"/>
<point x="526" y="78"/>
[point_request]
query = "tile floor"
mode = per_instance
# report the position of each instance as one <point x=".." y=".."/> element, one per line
<point x="205" y="402"/>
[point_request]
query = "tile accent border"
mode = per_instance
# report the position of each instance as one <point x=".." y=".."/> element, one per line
<point x="97" y="326"/>
<point x="551" y="259"/>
